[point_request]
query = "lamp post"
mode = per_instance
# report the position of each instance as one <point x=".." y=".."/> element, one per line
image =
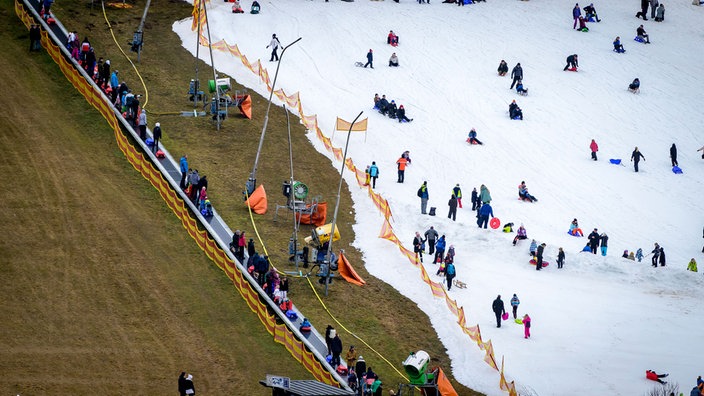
<point x="328" y="255"/>
<point x="252" y="181"/>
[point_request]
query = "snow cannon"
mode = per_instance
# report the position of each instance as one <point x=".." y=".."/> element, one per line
<point x="223" y="85"/>
<point x="416" y="367"/>
<point x="321" y="234"/>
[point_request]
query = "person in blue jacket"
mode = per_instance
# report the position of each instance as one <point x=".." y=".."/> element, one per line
<point x="373" y="173"/>
<point x="618" y="47"/>
<point x="576" y="13"/>
<point x="439" y="249"/>
<point x="370" y="59"/>
<point x="184" y="170"/>
<point x="472" y="137"/>
<point x="484" y="212"/>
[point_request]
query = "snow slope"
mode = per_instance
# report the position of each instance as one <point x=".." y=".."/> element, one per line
<point x="600" y="322"/>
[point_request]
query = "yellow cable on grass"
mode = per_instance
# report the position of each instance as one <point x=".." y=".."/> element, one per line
<point x="312" y="287"/>
<point x="146" y="92"/>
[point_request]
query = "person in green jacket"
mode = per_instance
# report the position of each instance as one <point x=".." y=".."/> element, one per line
<point x="484" y="194"/>
<point x="692" y="265"/>
<point x="457" y="191"/>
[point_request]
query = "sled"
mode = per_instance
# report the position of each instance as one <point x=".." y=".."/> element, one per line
<point x="359" y="64"/>
<point x="638" y="39"/>
<point x="575" y="234"/>
<point x="677" y="170"/>
<point x="572" y="69"/>
<point x="519" y="321"/>
<point x="495" y="223"/>
<point x="459" y="284"/>
<point x="635" y="91"/>
<point x="523" y="93"/>
<point x="533" y="262"/>
<point x="504" y="316"/>
<point x="469" y="140"/>
<point x="615" y="161"/>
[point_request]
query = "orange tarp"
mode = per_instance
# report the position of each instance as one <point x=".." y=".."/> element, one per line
<point x="347" y="272"/>
<point x="257" y="201"/>
<point x="444" y="386"/>
<point x="245" y="106"/>
<point x="318" y="217"/>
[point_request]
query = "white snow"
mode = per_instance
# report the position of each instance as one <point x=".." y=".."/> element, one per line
<point x="599" y="322"/>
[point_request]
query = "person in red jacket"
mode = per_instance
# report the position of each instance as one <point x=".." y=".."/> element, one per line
<point x="653" y="376"/>
<point x="594" y="147"/>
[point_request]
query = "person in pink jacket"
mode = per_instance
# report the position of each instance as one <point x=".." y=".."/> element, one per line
<point x="526" y="325"/>
<point x="241" y="245"/>
<point x="202" y="197"/>
<point x="594" y="147"/>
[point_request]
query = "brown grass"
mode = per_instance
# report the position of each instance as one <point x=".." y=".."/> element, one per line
<point x="105" y="290"/>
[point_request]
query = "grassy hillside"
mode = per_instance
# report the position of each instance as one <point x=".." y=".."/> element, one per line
<point x="124" y="298"/>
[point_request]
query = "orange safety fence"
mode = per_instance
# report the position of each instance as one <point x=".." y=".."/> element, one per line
<point x="281" y="333"/>
<point x="311" y="123"/>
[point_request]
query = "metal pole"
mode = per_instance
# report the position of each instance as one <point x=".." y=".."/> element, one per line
<point x="212" y="62"/>
<point x="251" y="183"/>
<point x="196" y="83"/>
<point x="292" y="198"/>
<point x="337" y="204"/>
<point x="140" y="30"/>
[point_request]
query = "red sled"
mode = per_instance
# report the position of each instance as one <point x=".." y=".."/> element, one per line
<point x="160" y="154"/>
<point x="470" y="141"/>
<point x="495" y="223"/>
<point x="574" y="69"/>
<point x="533" y="262"/>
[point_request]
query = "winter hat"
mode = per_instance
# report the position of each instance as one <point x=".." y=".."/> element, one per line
<point x="401" y="106"/>
<point x="393" y="101"/>
<point x="157" y="124"/>
<point x="189" y="377"/>
<point x="107" y="62"/>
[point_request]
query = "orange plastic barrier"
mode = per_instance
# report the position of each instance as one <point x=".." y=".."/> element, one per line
<point x="316" y="218"/>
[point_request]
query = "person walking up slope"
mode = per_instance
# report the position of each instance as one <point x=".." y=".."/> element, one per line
<point x="423" y="195"/>
<point x="457" y="191"/>
<point x="370" y="59"/>
<point x="498" y="307"/>
<point x="604" y="239"/>
<point x="401" y="163"/>
<point x="431" y="235"/>
<point x="526" y="326"/>
<point x="516" y="74"/>
<point x="673" y="155"/>
<point x="514" y="304"/>
<point x="635" y="158"/>
<point x="452" y="203"/>
<point x="274" y="44"/>
<point x="594" y="240"/>
<point x="374" y="173"/>
<point x="594" y="148"/>
<point x="449" y="274"/>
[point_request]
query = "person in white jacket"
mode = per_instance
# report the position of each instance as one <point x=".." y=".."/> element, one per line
<point x="274" y="44"/>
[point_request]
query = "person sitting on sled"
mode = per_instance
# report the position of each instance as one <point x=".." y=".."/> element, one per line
<point x="393" y="60"/>
<point x="376" y="101"/>
<point x="519" y="88"/>
<point x="520" y="234"/>
<point x="237" y="8"/>
<point x="634" y="86"/>
<point x="392" y="39"/>
<point x="515" y="112"/>
<point x="382" y="105"/>
<point x="503" y="68"/>
<point x="618" y="47"/>
<point x="401" y="115"/>
<point x="391" y="109"/>
<point x="583" y="24"/>
<point x="472" y="138"/>
<point x="255" y="8"/>
<point x="590" y="13"/>
<point x="523" y="193"/>
<point x="653" y="376"/>
<point x="575" y="230"/>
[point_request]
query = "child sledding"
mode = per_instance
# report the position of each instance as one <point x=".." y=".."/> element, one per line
<point x="515" y="112"/>
<point x="520" y="89"/>
<point x="523" y="193"/>
<point x="392" y="39"/>
<point x="634" y="86"/>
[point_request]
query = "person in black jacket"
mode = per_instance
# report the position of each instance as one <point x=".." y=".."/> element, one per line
<point x="572" y="62"/>
<point x="590" y="12"/>
<point x="370" y="59"/>
<point x="662" y="256"/>
<point x="452" y="203"/>
<point x="604" y="243"/>
<point x="594" y="240"/>
<point x="673" y="155"/>
<point x="635" y="158"/>
<point x="642" y="34"/>
<point x="516" y="74"/>
<point x="560" y="258"/>
<point x="431" y="235"/>
<point x="261" y="265"/>
<point x="156" y="136"/>
<point x="476" y="202"/>
<point x="503" y="68"/>
<point x="182" y="384"/>
<point x="498" y="307"/>
<point x="539" y="257"/>
<point x="34" y="37"/>
<point x="401" y="115"/>
<point x="643" y="10"/>
<point x="336" y="349"/>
